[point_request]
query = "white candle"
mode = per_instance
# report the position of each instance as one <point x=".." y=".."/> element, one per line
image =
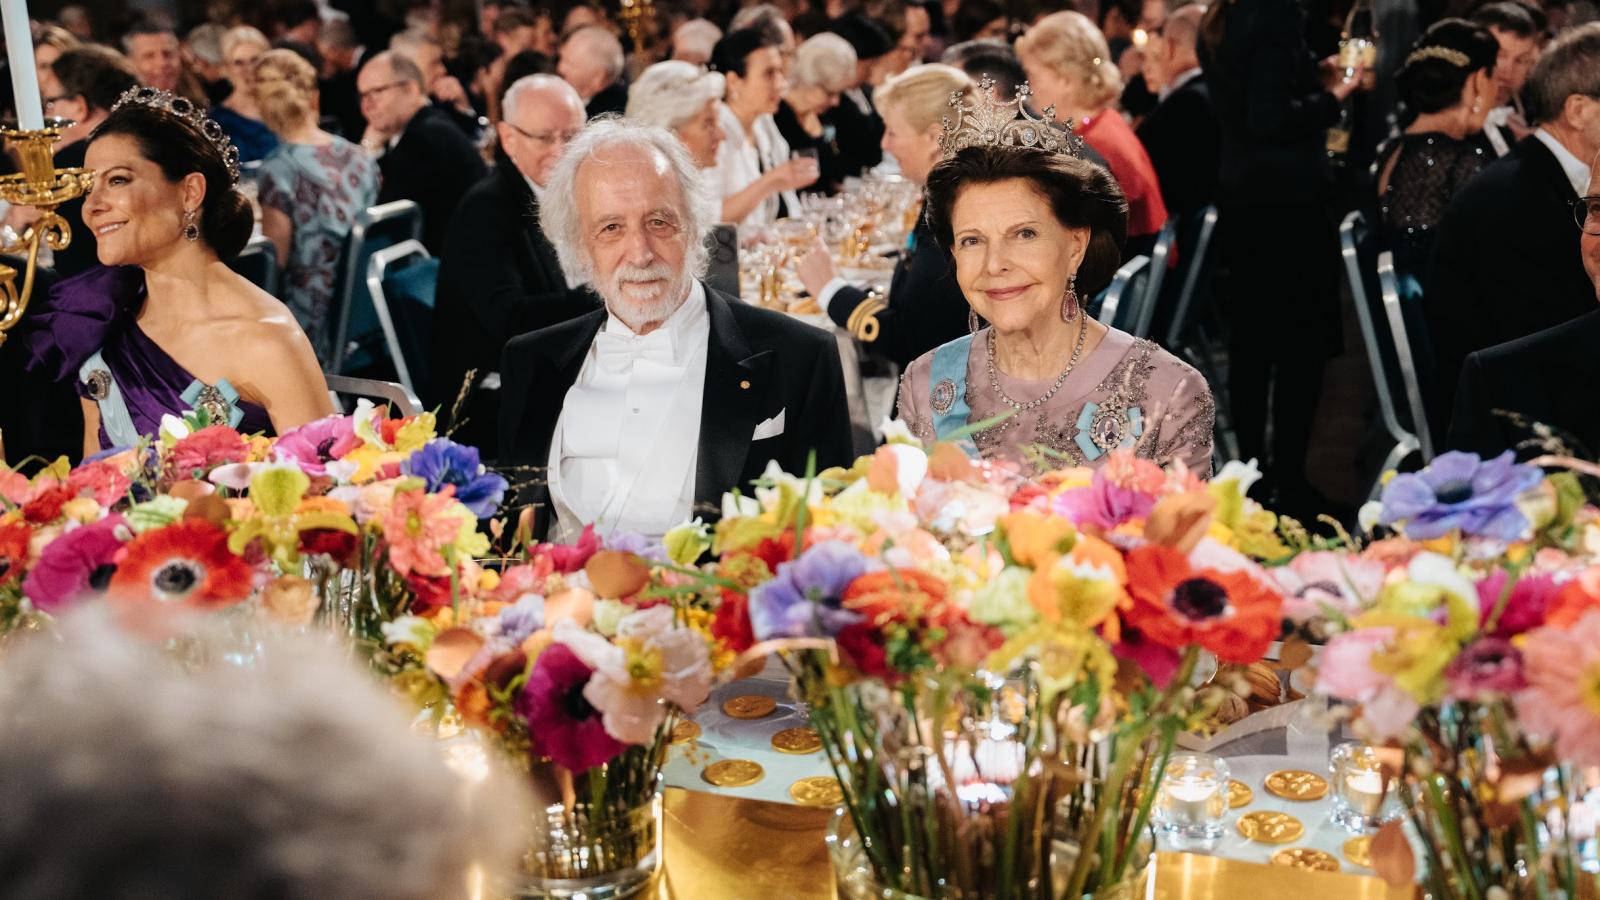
<point x="1364" y="791"/>
<point x="1191" y="801"/>
<point x="24" y="78"/>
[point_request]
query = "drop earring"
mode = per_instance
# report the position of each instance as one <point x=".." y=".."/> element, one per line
<point x="1069" y="299"/>
<point x="191" y="225"/>
<point x="972" y="321"/>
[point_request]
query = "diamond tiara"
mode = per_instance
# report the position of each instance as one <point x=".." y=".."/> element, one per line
<point x="186" y="111"/>
<point x="987" y="122"/>
<point x="1453" y="57"/>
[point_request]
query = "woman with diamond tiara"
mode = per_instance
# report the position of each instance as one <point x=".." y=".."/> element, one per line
<point x="163" y="326"/>
<point x="1031" y="228"/>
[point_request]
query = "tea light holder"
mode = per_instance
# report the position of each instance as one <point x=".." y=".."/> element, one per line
<point x="1361" y="800"/>
<point x="1193" y="799"/>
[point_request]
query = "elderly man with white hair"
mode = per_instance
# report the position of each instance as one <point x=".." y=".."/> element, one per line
<point x="693" y="40"/>
<point x="646" y="413"/>
<point x="824" y="68"/>
<point x="591" y="60"/>
<point x="684" y="99"/>
<point x="498" y="273"/>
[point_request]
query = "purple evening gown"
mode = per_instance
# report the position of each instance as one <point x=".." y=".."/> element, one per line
<point x="95" y="311"/>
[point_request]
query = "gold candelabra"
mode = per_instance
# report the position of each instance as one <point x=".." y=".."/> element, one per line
<point x="639" y="17"/>
<point x="44" y="187"/>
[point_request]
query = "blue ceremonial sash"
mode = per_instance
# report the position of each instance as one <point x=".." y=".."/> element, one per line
<point x="114" y="417"/>
<point x="948" y="387"/>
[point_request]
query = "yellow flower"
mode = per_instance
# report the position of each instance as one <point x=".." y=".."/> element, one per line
<point x="81" y="509"/>
<point x="277" y="493"/>
<point x="1037" y="540"/>
<point x="488" y="580"/>
<point x="414" y="434"/>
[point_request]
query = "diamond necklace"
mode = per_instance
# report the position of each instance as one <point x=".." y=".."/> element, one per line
<point x="994" y="375"/>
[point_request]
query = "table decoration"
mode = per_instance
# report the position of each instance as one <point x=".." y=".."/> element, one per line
<point x="1194" y="797"/>
<point x="996" y="668"/>
<point x="1470" y="655"/>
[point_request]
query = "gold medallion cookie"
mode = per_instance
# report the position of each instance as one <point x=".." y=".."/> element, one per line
<point x="1297" y="784"/>
<point x="1358" y="851"/>
<point x="797" y="740"/>
<point x="750" y="706"/>
<point x="1239" y="794"/>
<point x="733" y="773"/>
<point x="685" y="731"/>
<point x="1270" y="827"/>
<point x="818" y="790"/>
<point x="1306" y="858"/>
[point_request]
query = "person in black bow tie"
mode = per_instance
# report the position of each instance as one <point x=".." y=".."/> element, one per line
<point x="647" y="412"/>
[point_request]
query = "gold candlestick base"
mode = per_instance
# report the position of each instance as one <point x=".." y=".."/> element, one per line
<point x="42" y="186"/>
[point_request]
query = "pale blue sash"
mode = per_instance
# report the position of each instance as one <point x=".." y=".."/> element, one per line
<point x="114" y="417"/>
<point x="948" y="387"/>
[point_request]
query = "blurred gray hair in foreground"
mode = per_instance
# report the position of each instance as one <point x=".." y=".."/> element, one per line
<point x="124" y="777"/>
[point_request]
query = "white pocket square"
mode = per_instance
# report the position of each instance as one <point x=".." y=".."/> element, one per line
<point x="770" y="428"/>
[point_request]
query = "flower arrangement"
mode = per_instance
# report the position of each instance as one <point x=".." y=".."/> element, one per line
<point x="578" y="662"/>
<point x="350" y="517"/>
<point x="1474" y="653"/>
<point x="997" y="668"/>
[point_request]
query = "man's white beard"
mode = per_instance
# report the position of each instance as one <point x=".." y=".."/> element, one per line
<point x="647" y="295"/>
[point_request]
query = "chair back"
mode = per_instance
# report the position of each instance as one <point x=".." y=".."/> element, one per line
<point x="1123" y="298"/>
<point x="402" y="280"/>
<point x="258" y="263"/>
<point x="1195" y="267"/>
<point x="345" y="390"/>
<point x="1389" y="285"/>
<point x="358" y="335"/>
<point x="722" y="242"/>
<point x="1140" y="320"/>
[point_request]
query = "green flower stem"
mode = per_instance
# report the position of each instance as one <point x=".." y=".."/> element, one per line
<point x="1447" y="821"/>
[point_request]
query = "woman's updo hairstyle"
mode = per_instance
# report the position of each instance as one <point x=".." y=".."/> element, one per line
<point x="1440" y="62"/>
<point x="1070" y="45"/>
<point x="731" y="54"/>
<point x="285" y="85"/>
<point x="1080" y="193"/>
<point x="179" y="147"/>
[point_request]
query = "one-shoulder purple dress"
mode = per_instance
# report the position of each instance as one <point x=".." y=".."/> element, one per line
<point x="87" y="331"/>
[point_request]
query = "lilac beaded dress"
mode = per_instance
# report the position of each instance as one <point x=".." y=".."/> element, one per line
<point x="1126" y="393"/>
<point x="87" y="332"/>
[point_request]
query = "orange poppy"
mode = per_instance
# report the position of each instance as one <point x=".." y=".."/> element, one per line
<point x="1176" y="605"/>
<point x="901" y="594"/>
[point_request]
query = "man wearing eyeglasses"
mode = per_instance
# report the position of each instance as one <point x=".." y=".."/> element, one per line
<point x="1504" y="254"/>
<point x="423" y="155"/>
<point x="1547" y="379"/>
<point x="498" y="275"/>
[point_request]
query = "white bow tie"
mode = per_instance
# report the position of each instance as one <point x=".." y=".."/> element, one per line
<point x="618" y="352"/>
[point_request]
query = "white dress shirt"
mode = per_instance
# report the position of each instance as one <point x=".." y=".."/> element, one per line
<point x="1181" y="79"/>
<point x="625" y="446"/>
<point x="1576" y="170"/>
<point x="740" y="161"/>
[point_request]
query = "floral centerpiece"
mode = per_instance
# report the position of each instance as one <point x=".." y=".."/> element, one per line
<point x="578" y="669"/>
<point x="349" y="517"/>
<point x="997" y="668"/>
<point x="1475" y="655"/>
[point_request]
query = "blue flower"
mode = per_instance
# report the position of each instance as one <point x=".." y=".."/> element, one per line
<point x="803" y="599"/>
<point x="636" y="543"/>
<point x="442" y="461"/>
<point x="522" y="618"/>
<point x="1460" y="491"/>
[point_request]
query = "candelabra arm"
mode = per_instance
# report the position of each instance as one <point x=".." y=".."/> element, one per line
<point x="42" y="186"/>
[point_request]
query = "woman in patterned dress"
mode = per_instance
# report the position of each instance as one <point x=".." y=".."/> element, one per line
<point x="311" y="189"/>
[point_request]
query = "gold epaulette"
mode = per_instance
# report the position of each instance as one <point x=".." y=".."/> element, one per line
<point x="863" y="320"/>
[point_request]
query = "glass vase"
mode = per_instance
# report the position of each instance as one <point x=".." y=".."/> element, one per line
<point x="592" y="853"/>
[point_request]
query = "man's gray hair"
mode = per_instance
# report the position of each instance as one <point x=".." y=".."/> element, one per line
<point x="759" y="14"/>
<point x="1570" y="65"/>
<point x="603" y="47"/>
<point x="696" y="206"/>
<point x="129" y="774"/>
<point x="825" y="61"/>
<point x="204" y="42"/>
<point x="537" y="82"/>
<point x="672" y="92"/>
<point x="408" y="41"/>
<point x="699" y="35"/>
<point x="401" y="66"/>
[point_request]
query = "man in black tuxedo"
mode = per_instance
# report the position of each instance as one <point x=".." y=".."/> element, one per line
<point x="1180" y="134"/>
<point x="647" y="412"/>
<point x="1505" y="259"/>
<point x="498" y="275"/>
<point x="424" y="157"/>
<point x="591" y="61"/>
<point x="1546" y="378"/>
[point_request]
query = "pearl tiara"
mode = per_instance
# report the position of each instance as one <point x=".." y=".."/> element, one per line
<point x="1453" y="57"/>
<point x="988" y="122"/>
<point x="186" y="111"/>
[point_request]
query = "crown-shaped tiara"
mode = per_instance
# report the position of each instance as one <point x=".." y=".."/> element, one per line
<point x="190" y="114"/>
<point x="988" y="122"/>
<point x="1445" y="54"/>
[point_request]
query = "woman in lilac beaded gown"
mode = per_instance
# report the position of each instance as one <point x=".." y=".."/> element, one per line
<point x="1031" y="228"/>
<point x="163" y="326"/>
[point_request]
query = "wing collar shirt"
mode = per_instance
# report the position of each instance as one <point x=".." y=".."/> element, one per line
<point x="625" y="447"/>
<point x="1576" y="170"/>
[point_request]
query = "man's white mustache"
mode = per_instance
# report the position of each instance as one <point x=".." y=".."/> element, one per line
<point x="626" y="274"/>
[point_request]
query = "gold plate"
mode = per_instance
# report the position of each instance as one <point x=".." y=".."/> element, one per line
<point x="1306" y="858"/>
<point x="1270" y="827"/>
<point x="1239" y="794"/>
<point x="1358" y="851"/>
<point x="818" y="790"/>
<point x="750" y="706"/>
<point x="733" y="773"/>
<point x="685" y="731"/>
<point x="1297" y="784"/>
<point x="797" y="740"/>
